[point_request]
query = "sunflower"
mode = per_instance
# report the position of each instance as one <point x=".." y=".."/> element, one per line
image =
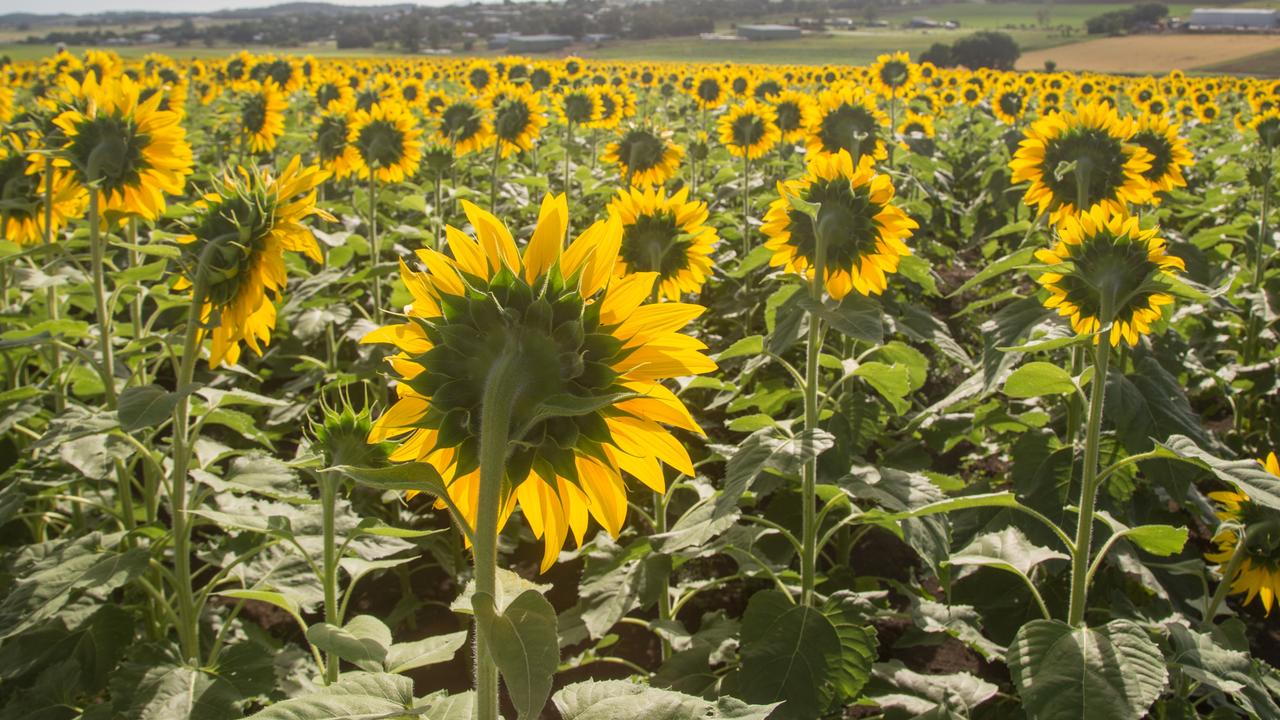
<point x="518" y="118"/>
<point x="334" y="150"/>
<point x="1093" y="140"/>
<point x="666" y="235"/>
<point x="238" y="242"/>
<point x="612" y="107"/>
<point x="133" y="152"/>
<point x="864" y="231"/>
<point x="1267" y="126"/>
<point x="464" y="128"/>
<point x="1257" y="574"/>
<point x="387" y="140"/>
<point x="893" y="75"/>
<point x="1208" y="112"/>
<point x="795" y="112"/>
<point x="23" y="192"/>
<point x="1105" y="252"/>
<point x="261" y="116"/>
<point x="1008" y="105"/>
<point x="1158" y="135"/>
<point x="644" y="159"/>
<point x="708" y="90"/>
<point x="583" y="338"/>
<point x="847" y="119"/>
<point x="749" y="130"/>
<point x="480" y="75"/>
<point x="331" y="92"/>
<point x="915" y="125"/>
<point x="578" y="107"/>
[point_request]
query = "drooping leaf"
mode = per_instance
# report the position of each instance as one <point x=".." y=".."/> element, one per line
<point x="1113" y="671"/>
<point x="522" y="643"/>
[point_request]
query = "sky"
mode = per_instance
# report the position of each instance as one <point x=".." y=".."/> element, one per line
<point x="95" y="6"/>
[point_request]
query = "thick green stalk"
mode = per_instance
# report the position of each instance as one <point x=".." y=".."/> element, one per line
<point x="97" y="261"/>
<point x="501" y="388"/>
<point x="328" y="500"/>
<point x="1083" y="545"/>
<point x="188" y="621"/>
<point x="568" y="139"/>
<point x="374" y="251"/>
<point x="493" y="176"/>
<point x="51" y="296"/>
<point x="664" y="598"/>
<point x="809" y="482"/>
<point x="1229" y="572"/>
<point x="135" y="309"/>
<point x="1252" y="345"/>
<point x="746" y="203"/>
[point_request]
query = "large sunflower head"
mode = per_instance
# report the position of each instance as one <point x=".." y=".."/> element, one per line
<point x="23" y="189"/>
<point x="589" y="404"/>
<point x="862" y="230"/>
<point x="1086" y="152"/>
<point x="518" y="117"/>
<point x="1158" y="135"/>
<point x="666" y="235"/>
<point x="131" y="152"/>
<point x="847" y="119"/>
<point x="613" y="106"/>
<point x="1267" y="127"/>
<point x="1105" y="259"/>
<point x="893" y="75"/>
<point x="1258" y="573"/>
<point x="750" y="129"/>
<point x="1009" y="104"/>
<point x="261" y="108"/>
<point x="235" y="252"/>
<point x="795" y="112"/>
<point x="578" y="106"/>
<point x="708" y="90"/>
<point x="464" y="128"/>
<point x="334" y="150"/>
<point x="644" y="158"/>
<point x="387" y="140"/>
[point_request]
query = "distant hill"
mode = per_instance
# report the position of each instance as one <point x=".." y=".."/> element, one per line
<point x="35" y="20"/>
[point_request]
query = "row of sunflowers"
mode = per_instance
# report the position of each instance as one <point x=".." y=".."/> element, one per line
<point x="668" y="390"/>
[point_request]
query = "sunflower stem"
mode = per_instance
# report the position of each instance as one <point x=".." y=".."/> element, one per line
<point x="493" y="176"/>
<point x="1252" y="345"/>
<point x="809" y="482"/>
<point x="500" y="390"/>
<point x="328" y="501"/>
<point x="1089" y="483"/>
<point x="51" y="297"/>
<point x="1224" y="587"/>
<point x="135" y="309"/>
<point x="664" y="597"/>
<point x="373" y="243"/>
<point x="746" y="202"/>
<point x="188" y="621"/>
<point x="97" y="261"/>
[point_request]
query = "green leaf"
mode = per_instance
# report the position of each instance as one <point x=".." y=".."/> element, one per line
<point x="627" y="700"/>
<point x="789" y="653"/>
<point x="522" y="642"/>
<point x="402" y="657"/>
<point x="1161" y="540"/>
<point x="509" y="587"/>
<point x="1065" y="673"/>
<point x="893" y="382"/>
<point x="279" y="599"/>
<point x="1013" y="260"/>
<point x="355" y="696"/>
<point x="1007" y="550"/>
<point x="856" y="316"/>
<point x="401" y="477"/>
<point x="1234" y="674"/>
<point x="43" y="587"/>
<point x="1039" y="378"/>
<point x="857" y="646"/>
<point x="452" y="707"/>
<point x="998" y="499"/>
<point x="363" y="641"/>
<point x="763" y="451"/>
<point x="1248" y="476"/>
<point x="145" y="406"/>
<point x="748" y="346"/>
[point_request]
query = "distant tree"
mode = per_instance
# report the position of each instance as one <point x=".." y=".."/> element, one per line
<point x="412" y="31"/>
<point x="939" y="54"/>
<point x="1050" y="66"/>
<point x="354" y="36"/>
<point x="986" y="49"/>
<point x="435" y="35"/>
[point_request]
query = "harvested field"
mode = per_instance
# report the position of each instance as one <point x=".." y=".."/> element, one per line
<point x="1151" y="53"/>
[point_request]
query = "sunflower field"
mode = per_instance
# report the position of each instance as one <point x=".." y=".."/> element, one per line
<point x="512" y="388"/>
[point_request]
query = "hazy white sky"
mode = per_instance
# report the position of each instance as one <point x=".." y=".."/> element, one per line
<point x="95" y="6"/>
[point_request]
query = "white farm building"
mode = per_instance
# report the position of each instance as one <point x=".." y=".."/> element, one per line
<point x="1234" y="19"/>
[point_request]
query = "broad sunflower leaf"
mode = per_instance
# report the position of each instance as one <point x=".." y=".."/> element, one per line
<point x="145" y="406"/>
<point x="1037" y="379"/>
<point x="522" y="642"/>
<point x="402" y="657"/>
<point x="627" y="700"/>
<point x="1247" y="476"/>
<point x="401" y="477"/>
<point x="789" y="653"/>
<point x="355" y="696"/>
<point x="1113" y="671"/>
<point x="363" y="641"/>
